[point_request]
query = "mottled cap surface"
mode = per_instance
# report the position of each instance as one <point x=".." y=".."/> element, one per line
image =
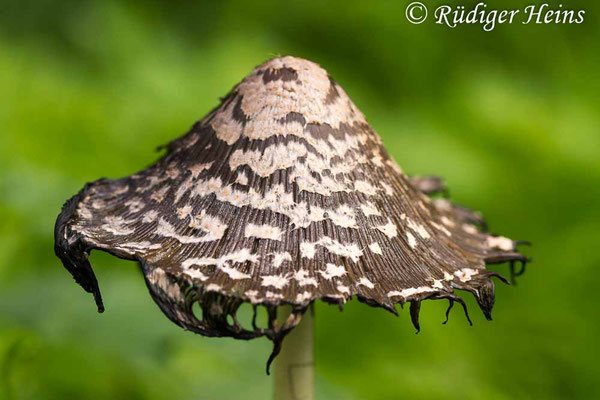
<point x="283" y="194"/>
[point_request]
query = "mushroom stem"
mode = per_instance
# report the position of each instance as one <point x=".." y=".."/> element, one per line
<point x="293" y="375"/>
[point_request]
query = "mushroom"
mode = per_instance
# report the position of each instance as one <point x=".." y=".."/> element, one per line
<point x="280" y="196"/>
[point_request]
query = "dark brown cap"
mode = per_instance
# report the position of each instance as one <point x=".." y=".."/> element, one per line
<point x="281" y="195"/>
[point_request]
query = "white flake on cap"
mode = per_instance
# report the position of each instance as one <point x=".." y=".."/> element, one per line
<point x="365" y="188"/>
<point x="277" y="281"/>
<point x="135" y="205"/>
<point x="198" y="168"/>
<point x="447" y="221"/>
<point x="418" y="228"/>
<point x="117" y="226"/>
<point x="253" y="295"/>
<point x="184" y="212"/>
<point x="343" y="289"/>
<point x="390" y="230"/>
<point x="465" y="274"/>
<point x="303" y="297"/>
<point x="405" y="293"/>
<point x="369" y="209"/>
<point x="150" y="216"/>
<point x="333" y="271"/>
<point x="239" y="256"/>
<point x="212" y="287"/>
<point x="241" y="178"/>
<point x="350" y="250"/>
<point x="160" y="194"/>
<point x="441" y="228"/>
<point x="365" y="282"/>
<point x="280" y="258"/>
<point x="195" y="274"/>
<point x="412" y="242"/>
<point x="470" y="229"/>
<point x="303" y="279"/>
<point x="376" y="248"/>
<point x="389" y="190"/>
<point x="263" y="231"/>
<point x="273" y="295"/>
<point x="500" y="242"/>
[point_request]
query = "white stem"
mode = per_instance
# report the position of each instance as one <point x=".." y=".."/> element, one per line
<point x="293" y="375"/>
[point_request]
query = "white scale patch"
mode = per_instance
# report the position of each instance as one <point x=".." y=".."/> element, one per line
<point x="412" y="242"/>
<point x="437" y="284"/>
<point x="184" y="212"/>
<point x="195" y="274"/>
<point x="377" y="160"/>
<point x="160" y="194"/>
<point x="150" y="216"/>
<point x="273" y="296"/>
<point x="344" y="216"/>
<point x="410" y="292"/>
<point x="139" y="246"/>
<point x="241" y="178"/>
<point x="277" y="281"/>
<point x="117" y="226"/>
<point x="303" y="279"/>
<point x="84" y="212"/>
<point x="263" y="232"/>
<point x="350" y="250"/>
<point x="389" y="190"/>
<point x="500" y="242"/>
<point x="233" y="273"/>
<point x="98" y="204"/>
<point x="367" y="283"/>
<point x="303" y="297"/>
<point x="471" y="229"/>
<point x="465" y="274"/>
<point x="343" y="289"/>
<point x="228" y="129"/>
<point x="198" y="168"/>
<point x="441" y="228"/>
<point x="418" y="228"/>
<point x="172" y="172"/>
<point x="365" y="188"/>
<point x="135" y="205"/>
<point x="308" y="249"/>
<point x="369" y="209"/>
<point x="280" y="258"/>
<point x="447" y="221"/>
<point x="239" y="256"/>
<point x="213" y="287"/>
<point x="253" y="296"/>
<point x="212" y="227"/>
<point x="390" y="230"/>
<point x="375" y="248"/>
<point x="333" y="271"/>
<point x="152" y="181"/>
<point x="266" y="161"/>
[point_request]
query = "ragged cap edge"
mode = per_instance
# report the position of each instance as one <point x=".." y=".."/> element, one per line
<point x="176" y="296"/>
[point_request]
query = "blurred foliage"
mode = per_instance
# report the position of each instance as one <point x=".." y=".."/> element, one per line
<point x="510" y="119"/>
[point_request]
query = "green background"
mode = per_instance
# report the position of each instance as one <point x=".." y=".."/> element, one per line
<point x="510" y="118"/>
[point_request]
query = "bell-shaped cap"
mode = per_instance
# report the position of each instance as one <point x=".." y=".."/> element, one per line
<point x="283" y="194"/>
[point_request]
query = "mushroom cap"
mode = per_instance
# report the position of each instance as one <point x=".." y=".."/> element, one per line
<point x="283" y="194"/>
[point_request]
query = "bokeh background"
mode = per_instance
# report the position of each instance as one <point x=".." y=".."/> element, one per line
<point x="510" y="118"/>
